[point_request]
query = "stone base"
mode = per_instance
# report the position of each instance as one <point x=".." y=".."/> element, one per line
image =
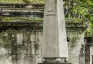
<point x="54" y="63"/>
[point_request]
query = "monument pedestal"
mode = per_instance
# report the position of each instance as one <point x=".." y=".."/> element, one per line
<point x="54" y="63"/>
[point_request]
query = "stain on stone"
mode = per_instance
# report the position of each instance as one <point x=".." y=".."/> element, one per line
<point x="17" y="46"/>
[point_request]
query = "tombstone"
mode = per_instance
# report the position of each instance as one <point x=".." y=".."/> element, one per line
<point x="55" y="47"/>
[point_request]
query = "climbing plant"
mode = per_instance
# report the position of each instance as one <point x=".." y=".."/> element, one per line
<point x="88" y="5"/>
<point x="80" y="9"/>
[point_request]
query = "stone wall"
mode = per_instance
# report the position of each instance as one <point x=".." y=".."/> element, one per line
<point x="91" y="55"/>
<point x="88" y="50"/>
<point x="76" y="49"/>
<point x="24" y="46"/>
<point x="87" y="54"/>
<point x="19" y="46"/>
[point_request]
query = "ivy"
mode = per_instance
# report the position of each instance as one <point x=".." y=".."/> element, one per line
<point x="82" y="9"/>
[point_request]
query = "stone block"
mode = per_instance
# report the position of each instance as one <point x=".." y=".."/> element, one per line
<point x="54" y="32"/>
<point x="54" y="63"/>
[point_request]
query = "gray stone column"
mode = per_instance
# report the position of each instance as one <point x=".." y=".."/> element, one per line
<point x="54" y="30"/>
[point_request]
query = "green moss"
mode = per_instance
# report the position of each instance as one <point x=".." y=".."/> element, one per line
<point x="11" y="1"/>
<point x="21" y="19"/>
<point x="27" y="1"/>
<point x="38" y="1"/>
<point x="74" y="20"/>
<point x="73" y="39"/>
<point x="21" y="1"/>
<point x="3" y="38"/>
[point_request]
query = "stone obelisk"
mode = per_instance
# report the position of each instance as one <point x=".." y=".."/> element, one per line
<point x="54" y="31"/>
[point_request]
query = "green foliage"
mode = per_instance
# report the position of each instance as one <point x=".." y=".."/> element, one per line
<point x="90" y="2"/>
<point x="89" y="16"/>
<point x="82" y="9"/>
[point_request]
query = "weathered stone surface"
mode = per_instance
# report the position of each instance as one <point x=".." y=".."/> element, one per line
<point x="87" y="54"/>
<point x="16" y="46"/>
<point x="73" y="51"/>
<point x="19" y="38"/>
<point x="54" y="31"/>
<point x="91" y="55"/>
<point x="88" y="46"/>
<point x="75" y="45"/>
<point x="54" y="63"/>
